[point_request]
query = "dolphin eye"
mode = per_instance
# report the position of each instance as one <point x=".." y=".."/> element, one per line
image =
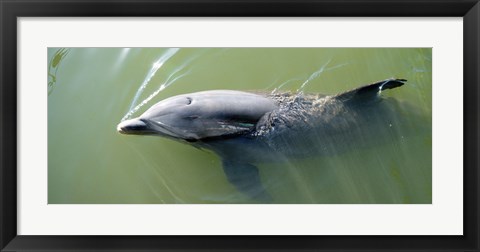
<point x="189" y="100"/>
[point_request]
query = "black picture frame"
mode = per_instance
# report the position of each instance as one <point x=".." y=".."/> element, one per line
<point x="10" y="10"/>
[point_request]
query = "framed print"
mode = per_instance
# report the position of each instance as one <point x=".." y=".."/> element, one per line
<point x="239" y="126"/>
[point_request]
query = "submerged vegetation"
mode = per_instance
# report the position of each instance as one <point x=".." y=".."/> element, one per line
<point x="54" y="65"/>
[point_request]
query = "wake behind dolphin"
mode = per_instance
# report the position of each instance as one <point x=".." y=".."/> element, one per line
<point x="245" y="129"/>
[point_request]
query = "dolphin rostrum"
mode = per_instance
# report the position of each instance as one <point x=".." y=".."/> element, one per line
<point x="246" y="128"/>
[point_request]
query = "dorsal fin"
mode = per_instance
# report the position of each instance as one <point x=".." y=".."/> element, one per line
<point x="370" y="92"/>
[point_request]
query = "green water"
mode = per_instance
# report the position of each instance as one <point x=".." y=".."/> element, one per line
<point x="92" y="89"/>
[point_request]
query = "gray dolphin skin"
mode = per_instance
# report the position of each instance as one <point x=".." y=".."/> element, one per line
<point x="245" y="129"/>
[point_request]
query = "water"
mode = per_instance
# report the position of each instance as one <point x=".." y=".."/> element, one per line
<point x="90" y="90"/>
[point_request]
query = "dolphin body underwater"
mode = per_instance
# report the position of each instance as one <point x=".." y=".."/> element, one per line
<point x="245" y="129"/>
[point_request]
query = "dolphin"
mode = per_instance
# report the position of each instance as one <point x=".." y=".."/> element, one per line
<point x="245" y="129"/>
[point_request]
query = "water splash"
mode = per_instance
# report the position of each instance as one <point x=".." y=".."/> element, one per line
<point x="173" y="77"/>
<point x="156" y="65"/>
<point x="317" y="74"/>
<point x="312" y="76"/>
<point x="284" y="83"/>
<point x="151" y="96"/>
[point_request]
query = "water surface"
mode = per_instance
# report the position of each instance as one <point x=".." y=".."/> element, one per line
<point x="90" y="90"/>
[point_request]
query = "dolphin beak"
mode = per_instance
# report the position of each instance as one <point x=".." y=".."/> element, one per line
<point x="133" y="127"/>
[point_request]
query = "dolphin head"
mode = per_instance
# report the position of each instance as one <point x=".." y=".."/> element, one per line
<point x="201" y="115"/>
